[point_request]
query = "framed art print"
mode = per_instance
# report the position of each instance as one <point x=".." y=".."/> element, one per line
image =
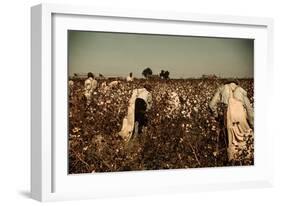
<point x="138" y="102"/>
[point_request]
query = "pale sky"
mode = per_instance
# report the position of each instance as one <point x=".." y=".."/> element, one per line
<point x="118" y="54"/>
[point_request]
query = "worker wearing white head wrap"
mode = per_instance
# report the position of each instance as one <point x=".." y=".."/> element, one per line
<point x="90" y="85"/>
<point x="238" y="115"/>
<point x="131" y="122"/>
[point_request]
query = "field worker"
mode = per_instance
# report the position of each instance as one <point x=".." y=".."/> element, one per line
<point x="113" y="84"/>
<point x="130" y="77"/>
<point x="139" y="103"/>
<point x="70" y="87"/>
<point x="90" y="85"/>
<point x="104" y="87"/>
<point x="238" y="117"/>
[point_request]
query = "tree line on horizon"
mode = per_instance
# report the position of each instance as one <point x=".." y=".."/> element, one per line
<point x="147" y="73"/>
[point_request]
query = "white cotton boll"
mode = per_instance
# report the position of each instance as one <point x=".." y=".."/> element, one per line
<point x="195" y="109"/>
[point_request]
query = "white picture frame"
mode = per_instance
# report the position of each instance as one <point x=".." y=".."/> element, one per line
<point x="49" y="178"/>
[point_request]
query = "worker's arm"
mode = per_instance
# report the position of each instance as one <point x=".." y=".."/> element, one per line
<point x="94" y="84"/>
<point x="149" y="101"/>
<point x="249" y="108"/>
<point x="215" y="100"/>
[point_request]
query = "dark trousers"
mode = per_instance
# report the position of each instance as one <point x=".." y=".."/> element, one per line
<point x="140" y="114"/>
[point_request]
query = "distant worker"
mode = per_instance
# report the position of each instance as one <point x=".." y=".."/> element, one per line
<point x="113" y="84"/>
<point x="103" y="87"/>
<point x="130" y="77"/>
<point x="139" y="104"/>
<point x="90" y="85"/>
<point x="70" y="87"/>
<point x="238" y="117"/>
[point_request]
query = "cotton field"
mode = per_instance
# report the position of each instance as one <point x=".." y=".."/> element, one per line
<point x="181" y="131"/>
